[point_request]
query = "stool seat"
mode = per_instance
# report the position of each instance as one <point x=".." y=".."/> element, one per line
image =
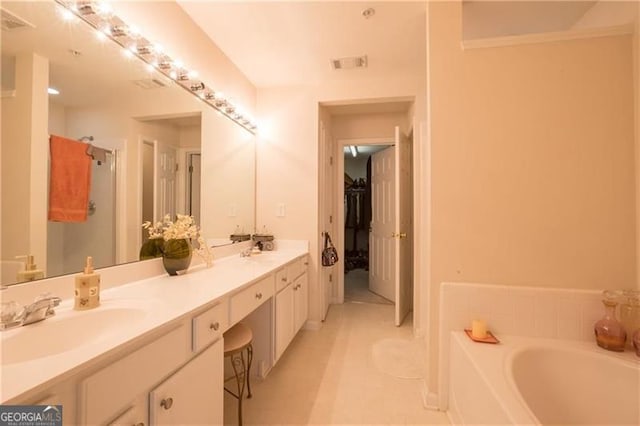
<point x="236" y="339"/>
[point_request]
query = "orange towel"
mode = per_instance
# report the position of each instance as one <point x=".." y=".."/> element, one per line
<point x="70" y="180"/>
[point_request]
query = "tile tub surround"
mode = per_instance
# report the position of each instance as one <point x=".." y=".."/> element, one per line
<point x="167" y="299"/>
<point x="509" y="310"/>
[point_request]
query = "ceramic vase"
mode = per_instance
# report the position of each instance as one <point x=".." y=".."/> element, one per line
<point x="177" y="255"/>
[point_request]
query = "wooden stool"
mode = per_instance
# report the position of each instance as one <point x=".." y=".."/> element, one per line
<point x="236" y="340"/>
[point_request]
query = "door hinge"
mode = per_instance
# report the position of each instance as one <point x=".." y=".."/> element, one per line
<point x="330" y="219"/>
<point x="330" y="278"/>
<point x="331" y="161"/>
<point x="190" y="169"/>
<point x="176" y="167"/>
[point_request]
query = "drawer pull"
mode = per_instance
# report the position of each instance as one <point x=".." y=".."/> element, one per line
<point x="214" y="326"/>
<point x="306" y="263"/>
<point x="139" y="424"/>
<point x="166" y="403"/>
<point x="283" y="279"/>
<point x="258" y="296"/>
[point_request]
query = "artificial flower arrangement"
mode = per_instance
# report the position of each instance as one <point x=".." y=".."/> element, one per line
<point x="161" y="233"/>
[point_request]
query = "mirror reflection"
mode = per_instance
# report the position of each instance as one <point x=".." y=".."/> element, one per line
<point x="160" y="150"/>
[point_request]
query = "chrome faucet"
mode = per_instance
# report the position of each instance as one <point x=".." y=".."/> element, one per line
<point x="39" y="310"/>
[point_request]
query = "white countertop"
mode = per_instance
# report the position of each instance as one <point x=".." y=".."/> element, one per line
<point x="163" y="299"/>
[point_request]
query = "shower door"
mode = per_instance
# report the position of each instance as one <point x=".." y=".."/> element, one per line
<point x="70" y="243"/>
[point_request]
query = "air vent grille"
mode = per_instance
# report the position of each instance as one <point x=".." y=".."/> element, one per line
<point x="149" y="83"/>
<point x="12" y="22"/>
<point x="349" y="63"/>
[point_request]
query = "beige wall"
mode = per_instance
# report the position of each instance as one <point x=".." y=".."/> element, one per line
<point x="288" y="155"/>
<point x="24" y="141"/>
<point x="636" y="52"/>
<point x="191" y="45"/>
<point x="532" y="163"/>
<point x="354" y="126"/>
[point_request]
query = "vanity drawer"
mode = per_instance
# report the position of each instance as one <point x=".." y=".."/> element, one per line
<point x="281" y="279"/>
<point x="297" y="267"/>
<point x="209" y="326"/>
<point x="105" y="393"/>
<point x="247" y="300"/>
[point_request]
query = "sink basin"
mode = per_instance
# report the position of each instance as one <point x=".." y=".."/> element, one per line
<point x="64" y="332"/>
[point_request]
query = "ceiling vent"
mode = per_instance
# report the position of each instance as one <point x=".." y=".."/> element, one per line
<point x="349" y="63"/>
<point x="149" y="83"/>
<point x="12" y="22"/>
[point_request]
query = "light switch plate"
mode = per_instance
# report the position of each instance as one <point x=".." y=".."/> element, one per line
<point x="282" y="210"/>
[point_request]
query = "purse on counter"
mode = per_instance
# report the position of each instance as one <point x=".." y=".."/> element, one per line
<point x="329" y="253"/>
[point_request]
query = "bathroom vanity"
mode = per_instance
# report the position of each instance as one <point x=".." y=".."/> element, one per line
<point x="152" y="353"/>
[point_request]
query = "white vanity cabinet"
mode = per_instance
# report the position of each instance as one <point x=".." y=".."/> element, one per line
<point x="300" y="302"/>
<point x="193" y="394"/>
<point x="131" y="390"/>
<point x="284" y="319"/>
<point x="291" y="305"/>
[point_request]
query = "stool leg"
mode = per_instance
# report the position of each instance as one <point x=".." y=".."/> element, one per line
<point x="239" y="369"/>
<point x="250" y="360"/>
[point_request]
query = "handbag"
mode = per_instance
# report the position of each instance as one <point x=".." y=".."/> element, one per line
<point x="329" y="253"/>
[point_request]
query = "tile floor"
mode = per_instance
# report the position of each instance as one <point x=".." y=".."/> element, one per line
<point x="356" y="288"/>
<point x="328" y="376"/>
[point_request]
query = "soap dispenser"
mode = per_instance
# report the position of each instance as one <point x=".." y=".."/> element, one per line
<point x="87" y="294"/>
<point x="31" y="271"/>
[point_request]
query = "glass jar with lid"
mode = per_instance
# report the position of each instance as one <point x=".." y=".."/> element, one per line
<point x="630" y="312"/>
<point x="610" y="334"/>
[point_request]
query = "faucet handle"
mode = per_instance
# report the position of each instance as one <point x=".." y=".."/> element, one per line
<point x="10" y="311"/>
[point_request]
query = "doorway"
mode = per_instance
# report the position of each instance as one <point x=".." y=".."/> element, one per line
<point x="357" y="225"/>
<point x="390" y="242"/>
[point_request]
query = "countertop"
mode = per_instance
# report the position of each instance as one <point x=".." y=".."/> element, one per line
<point x="161" y="301"/>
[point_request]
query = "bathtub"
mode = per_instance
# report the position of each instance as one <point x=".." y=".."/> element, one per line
<point x="541" y="381"/>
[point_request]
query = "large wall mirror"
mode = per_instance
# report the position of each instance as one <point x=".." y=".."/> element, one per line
<point x="165" y="151"/>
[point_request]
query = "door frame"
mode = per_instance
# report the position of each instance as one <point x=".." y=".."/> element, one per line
<point x="142" y="140"/>
<point x="339" y="190"/>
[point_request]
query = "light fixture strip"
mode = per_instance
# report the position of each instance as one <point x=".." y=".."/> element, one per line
<point x="100" y="17"/>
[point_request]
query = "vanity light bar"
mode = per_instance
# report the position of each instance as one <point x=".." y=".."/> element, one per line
<point x="100" y="16"/>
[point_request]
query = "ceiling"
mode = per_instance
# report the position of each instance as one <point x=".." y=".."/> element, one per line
<point x="292" y="43"/>
<point x="85" y="70"/>
<point x="485" y="19"/>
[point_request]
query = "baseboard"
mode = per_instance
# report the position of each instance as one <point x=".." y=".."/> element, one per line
<point x="312" y="325"/>
<point x="429" y="399"/>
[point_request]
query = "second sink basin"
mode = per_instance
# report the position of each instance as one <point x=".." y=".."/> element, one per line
<point x="64" y="332"/>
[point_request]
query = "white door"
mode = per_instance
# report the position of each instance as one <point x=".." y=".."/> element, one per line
<point x="166" y="162"/>
<point x="328" y="179"/>
<point x="403" y="228"/>
<point x="382" y="244"/>
<point x="194" y="187"/>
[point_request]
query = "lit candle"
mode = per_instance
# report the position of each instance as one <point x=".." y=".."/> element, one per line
<point x="479" y="329"/>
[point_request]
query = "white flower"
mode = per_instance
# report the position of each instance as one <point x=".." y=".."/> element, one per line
<point x="183" y="228"/>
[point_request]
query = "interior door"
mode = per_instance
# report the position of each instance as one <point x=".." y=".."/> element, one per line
<point x="403" y="228"/>
<point x="166" y="162"/>
<point x="382" y="244"/>
<point x="194" y="186"/>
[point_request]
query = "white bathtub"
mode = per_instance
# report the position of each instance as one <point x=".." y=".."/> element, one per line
<point x="541" y="381"/>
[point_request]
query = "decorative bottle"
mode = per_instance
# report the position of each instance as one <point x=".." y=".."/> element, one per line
<point x="610" y="333"/>
<point x="636" y="341"/>
<point x="630" y="313"/>
<point x="87" y="292"/>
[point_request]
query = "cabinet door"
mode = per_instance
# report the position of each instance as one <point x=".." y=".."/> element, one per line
<point x="193" y="395"/>
<point x="301" y="302"/>
<point x="284" y="319"/>
<point x="135" y="415"/>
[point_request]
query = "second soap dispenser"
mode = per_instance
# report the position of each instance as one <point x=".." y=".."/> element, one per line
<point x="87" y="293"/>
